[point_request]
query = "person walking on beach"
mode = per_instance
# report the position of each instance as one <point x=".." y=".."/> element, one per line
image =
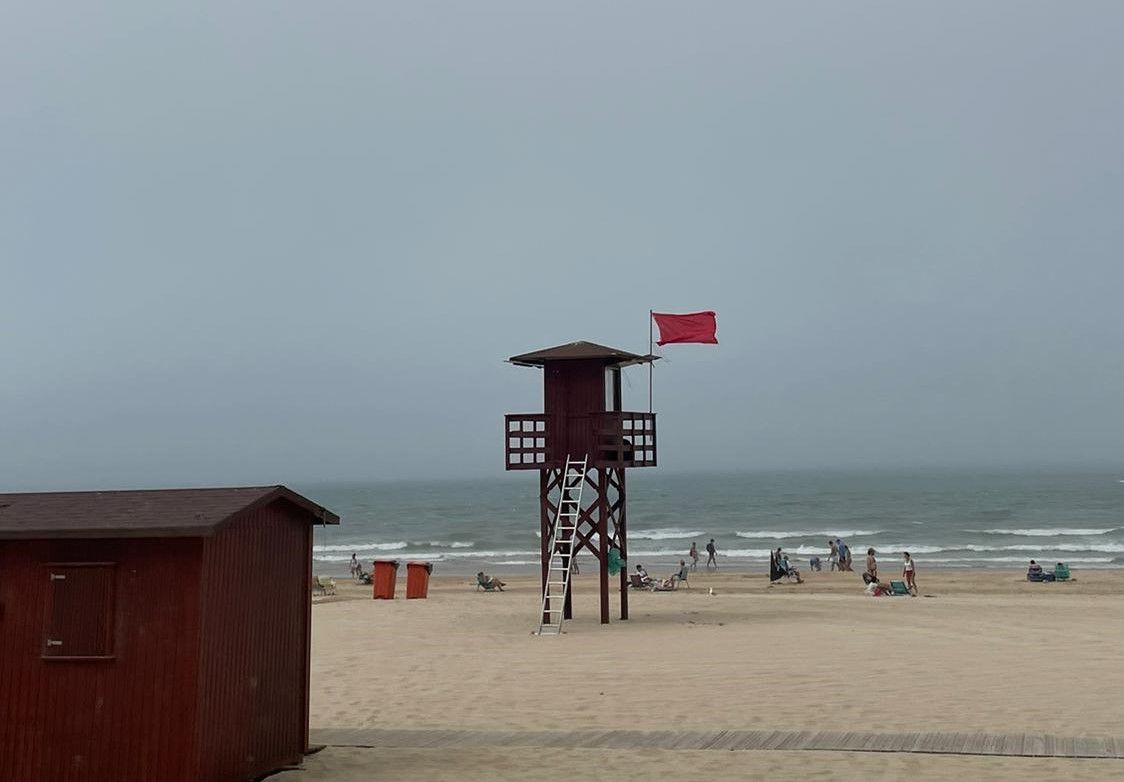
<point x="694" y="555"/>
<point x="907" y="574"/>
<point x="833" y="555"/>
<point x="355" y="568"/>
<point x="844" y="554"/>
<point x="711" y="555"/>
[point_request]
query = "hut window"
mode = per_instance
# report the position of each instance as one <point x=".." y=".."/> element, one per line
<point x="80" y="611"/>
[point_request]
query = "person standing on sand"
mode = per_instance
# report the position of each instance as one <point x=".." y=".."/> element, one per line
<point x="712" y="555"/>
<point x="355" y="568"/>
<point x="833" y="555"/>
<point x="908" y="574"/>
<point x="694" y="555"/>
<point x="844" y="554"/>
<point x="871" y="567"/>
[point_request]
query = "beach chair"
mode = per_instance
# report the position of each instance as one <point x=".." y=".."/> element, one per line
<point x="323" y="586"/>
<point x="636" y="582"/>
<point x="486" y="584"/>
<point x="1061" y="572"/>
<point x="673" y="582"/>
<point x="898" y="588"/>
<point x="683" y="575"/>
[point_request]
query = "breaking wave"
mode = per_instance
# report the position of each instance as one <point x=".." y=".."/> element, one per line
<point x="781" y="534"/>
<point x="671" y="533"/>
<point x="357" y="547"/>
<point x="1048" y="533"/>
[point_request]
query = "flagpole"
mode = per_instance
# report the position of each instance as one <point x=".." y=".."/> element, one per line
<point x="650" y="361"/>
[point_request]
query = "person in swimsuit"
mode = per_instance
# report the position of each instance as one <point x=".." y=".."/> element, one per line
<point x="908" y="574"/>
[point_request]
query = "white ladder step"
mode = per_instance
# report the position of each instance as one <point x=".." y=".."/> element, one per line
<point x="567" y="514"/>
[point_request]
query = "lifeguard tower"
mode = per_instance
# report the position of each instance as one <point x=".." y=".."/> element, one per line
<point x="581" y="445"/>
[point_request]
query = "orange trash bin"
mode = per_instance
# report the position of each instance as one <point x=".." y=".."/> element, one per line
<point x="386" y="573"/>
<point x="417" y="579"/>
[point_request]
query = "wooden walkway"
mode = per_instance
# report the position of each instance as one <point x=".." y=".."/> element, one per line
<point x="1009" y="745"/>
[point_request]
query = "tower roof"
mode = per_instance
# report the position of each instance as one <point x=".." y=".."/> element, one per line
<point x="581" y="350"/>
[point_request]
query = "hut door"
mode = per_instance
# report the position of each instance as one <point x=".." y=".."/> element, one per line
<point x="613" y="389"/>
<point x="80" y="610"/>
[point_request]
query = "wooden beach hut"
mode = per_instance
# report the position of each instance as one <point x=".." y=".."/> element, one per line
<point x="154" y="635"/>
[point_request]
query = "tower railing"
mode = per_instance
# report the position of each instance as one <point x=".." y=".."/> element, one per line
<point x="527" y="441"/>
<point x="612" y="438"/>
<point x="624" y="439"/>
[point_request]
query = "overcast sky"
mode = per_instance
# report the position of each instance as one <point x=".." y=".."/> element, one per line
<point x="291" y="241"/>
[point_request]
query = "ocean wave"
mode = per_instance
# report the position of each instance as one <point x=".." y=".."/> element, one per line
<point x="398" y="545"/>
<point x="671" y="533"/>
<point x="739" y="553"/>
<point x="1104" y="548"/>
<point x="1021" y="560"/>
<point x="434" y="556"/>
<point x="782" y="534"/>
<point x="1046" y="547"/>
<point x="896" y="549"/>
<point x="1048" y="533"/>
<point x="357" y="547"/>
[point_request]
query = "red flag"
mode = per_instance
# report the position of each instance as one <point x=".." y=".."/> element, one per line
<point x="691" y="327"/>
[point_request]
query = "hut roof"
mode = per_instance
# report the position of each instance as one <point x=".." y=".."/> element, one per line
<point x="581" y="350"/>
<point x="139" y="514"/>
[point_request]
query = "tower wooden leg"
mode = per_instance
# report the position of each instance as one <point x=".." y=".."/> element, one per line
<point x="622" y="540"/>
<point x="545" y="521"/>
<point x="603" y="542"/>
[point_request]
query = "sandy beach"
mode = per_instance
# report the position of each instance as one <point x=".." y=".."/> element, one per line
<point x="981" y="651"/>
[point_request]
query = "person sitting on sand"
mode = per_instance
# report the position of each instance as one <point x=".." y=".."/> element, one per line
<point x="871" y="567"/>
<point x="645" y="579"/>
<point x="1034" y="572"/>
<point x="360" y="575"/>
<point x="874" y="589"/>
<point x="789" y="570"/>
<point x="489" y="582"/>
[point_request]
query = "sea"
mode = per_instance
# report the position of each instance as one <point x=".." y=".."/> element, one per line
<point x="944" y="519"/>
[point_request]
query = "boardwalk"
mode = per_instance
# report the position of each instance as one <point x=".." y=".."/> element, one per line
<point x="994" y="744"/>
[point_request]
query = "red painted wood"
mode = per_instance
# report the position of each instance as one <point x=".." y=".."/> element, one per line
<point x="209" y="675"/>
<point x="80" y="616"/>
<point x="582" y="418"/>
<point x="125" y="719"/>
<point x="253" y="683"/>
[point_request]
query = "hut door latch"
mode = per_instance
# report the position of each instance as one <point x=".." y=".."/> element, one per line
<point x="58" y="577"/>
<point x="53" y="642"/>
